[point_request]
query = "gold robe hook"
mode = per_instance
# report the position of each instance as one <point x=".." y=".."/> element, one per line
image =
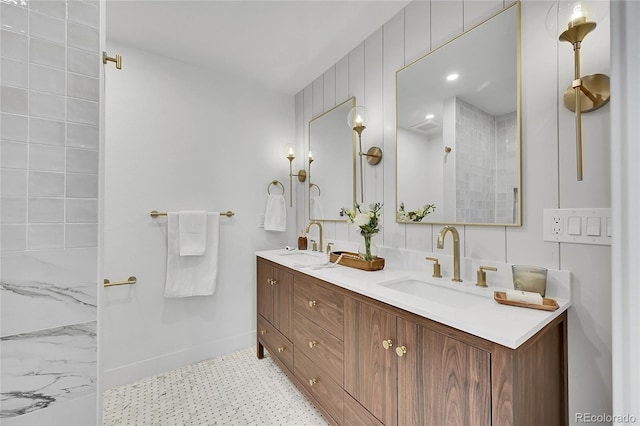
<point x="117" y="60"/>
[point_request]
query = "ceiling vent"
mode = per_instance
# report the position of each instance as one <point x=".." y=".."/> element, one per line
<point x="427" y="126"/>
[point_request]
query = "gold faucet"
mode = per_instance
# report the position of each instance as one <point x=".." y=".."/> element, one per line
<point x="315" y="222"/>
<point x="456" y="249"/>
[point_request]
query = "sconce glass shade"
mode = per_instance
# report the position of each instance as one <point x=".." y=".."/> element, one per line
<point x="357" y="116"/>
<point x="290" y="151"/>
<point x="563" y="15"/>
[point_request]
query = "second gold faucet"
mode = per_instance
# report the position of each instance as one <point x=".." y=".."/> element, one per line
<point x="456" y="249"/>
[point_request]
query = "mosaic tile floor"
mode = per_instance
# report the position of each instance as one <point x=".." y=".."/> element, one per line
<point x="234" y="389"/>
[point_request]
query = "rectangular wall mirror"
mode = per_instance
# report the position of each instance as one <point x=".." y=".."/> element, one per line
<point x="332" y="172"/>
<point x="458" y="136"/>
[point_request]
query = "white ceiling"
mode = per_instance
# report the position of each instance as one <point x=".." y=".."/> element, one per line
<point x="283" y="45"/>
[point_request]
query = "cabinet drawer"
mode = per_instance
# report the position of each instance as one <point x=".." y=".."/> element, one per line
<point x="324" y="349"/>
<point x="320" y="304"/>
<point x="328" y="394"/>
<point x="278" y="346"/>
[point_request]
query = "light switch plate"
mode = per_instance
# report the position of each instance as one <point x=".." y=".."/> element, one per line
<point x="581" y="226"/>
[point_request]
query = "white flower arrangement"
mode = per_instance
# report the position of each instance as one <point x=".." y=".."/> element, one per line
<point x="414" y="215"/>
<point x="366" y="221"/>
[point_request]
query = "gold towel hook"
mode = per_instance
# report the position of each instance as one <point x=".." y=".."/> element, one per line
<point x="117" y="60"/>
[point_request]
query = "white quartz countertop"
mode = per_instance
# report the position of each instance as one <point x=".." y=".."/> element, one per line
<point x="463" y="306"/>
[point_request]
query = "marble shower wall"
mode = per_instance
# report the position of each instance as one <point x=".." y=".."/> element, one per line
<point x="49" y="152"/>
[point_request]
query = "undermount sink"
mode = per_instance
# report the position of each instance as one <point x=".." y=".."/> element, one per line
<point x="435" y="293"/>
<point x="305" y="258"/>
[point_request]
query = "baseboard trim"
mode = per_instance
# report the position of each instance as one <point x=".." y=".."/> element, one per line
<point x="163" y="363"/>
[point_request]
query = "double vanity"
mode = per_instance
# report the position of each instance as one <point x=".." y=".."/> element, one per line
<point x="399" y="347"/>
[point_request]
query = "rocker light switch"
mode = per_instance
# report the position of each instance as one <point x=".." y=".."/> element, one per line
<point x="593" y="226"/>
<point x="575" y="225"/>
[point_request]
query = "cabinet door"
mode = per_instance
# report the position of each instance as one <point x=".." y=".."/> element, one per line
<point x="370" y="369"/>
<point x="264" y="290"/>
<point x="441" y="380"/>
<point x="275" y="296"/>
<point x="282" y="301"/>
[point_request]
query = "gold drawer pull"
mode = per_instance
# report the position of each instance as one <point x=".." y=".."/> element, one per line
<point x="313" y="344"/>
<point x="271" y="281"/>
<point x="313" y="381"/>
<point x="312" y="303"/>
<point x="401" y="350"/>
<point x="387" y="343"/>
<point x="281" y="349"/>
<point x="263" y="332"/>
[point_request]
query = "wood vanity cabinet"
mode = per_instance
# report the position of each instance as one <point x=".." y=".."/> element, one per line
<point x="363" y="362"/>
<point x="431" y="374"/>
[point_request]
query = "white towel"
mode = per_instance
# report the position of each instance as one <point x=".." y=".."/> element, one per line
<point x="317" y="212"/>
<point x="191" y="275"/>
<point x="275" y="216"/>
<point x="193" y="232"/>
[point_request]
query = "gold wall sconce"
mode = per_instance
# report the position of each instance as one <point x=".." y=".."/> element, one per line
<point x="356" y="118"/>
<point x="301" y="175"/>
<point x="586" y="93"/>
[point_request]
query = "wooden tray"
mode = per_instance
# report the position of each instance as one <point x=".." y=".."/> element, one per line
<point x="353" y="260"/>
<point x="547" y="304"/>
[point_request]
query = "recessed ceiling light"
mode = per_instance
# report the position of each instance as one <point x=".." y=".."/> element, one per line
<point x="452" y="77"/>
<point x="429" y="116"/>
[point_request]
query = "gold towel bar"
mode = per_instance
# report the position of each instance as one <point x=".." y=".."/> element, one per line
<point x="155" y="213"/>
<point x="130" y="280"/>
<point x="275" y="182"/>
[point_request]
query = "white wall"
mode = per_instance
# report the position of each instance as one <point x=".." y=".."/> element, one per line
<point x="548" y="174"/>
<point x="179" y="137"/>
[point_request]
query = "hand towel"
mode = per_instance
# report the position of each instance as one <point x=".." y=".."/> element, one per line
<point x="193" y="232"/>
<point x="316" y="210"/>
<point x="191" y="275"/>
<point x="275" y="216"/>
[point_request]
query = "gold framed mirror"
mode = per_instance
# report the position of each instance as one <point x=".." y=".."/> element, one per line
<point x="458" y="128"/>
<point x="332" y="167"/>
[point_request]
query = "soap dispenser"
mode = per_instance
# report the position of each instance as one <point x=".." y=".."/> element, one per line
<point x="302" y="241"/>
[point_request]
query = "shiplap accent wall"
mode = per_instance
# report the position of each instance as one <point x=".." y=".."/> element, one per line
<point x="548" y="170"/>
